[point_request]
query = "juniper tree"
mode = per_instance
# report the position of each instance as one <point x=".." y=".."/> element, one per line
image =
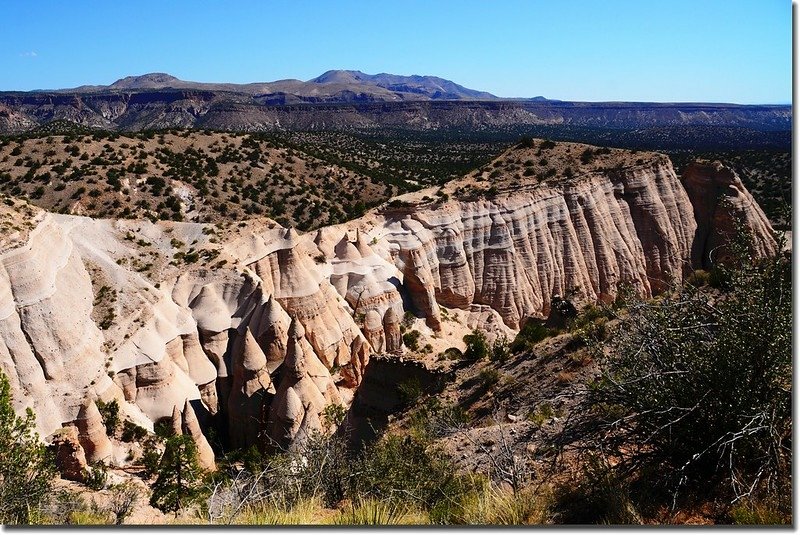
<point x="26" y="470"/>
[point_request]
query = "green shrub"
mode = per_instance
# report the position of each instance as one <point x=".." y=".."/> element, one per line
<point x="699" y="277"/>
<point x="109" y="412"/>
<point x="599" y="497"/>
<point x="97" y="476"/>
<point x="526" y="142"/>
<point x="501" y="350"/>
<point x="489" y="377"/>
<point x="407" y="470"/>
<point x="132" y="432"/>
<point x="705" y="382"/>
<point x="333" y="415"/>
<point x="531" y="334"/>
<point x="452" y="353"/>
<point x="477" y="346"/>
<point x="433" y="420"/>
<point x="752" y="513"/>
<point x="409" y="390"/>
<point x="26" y="469"/>
<point x="411" y="340"/>
<point x="541" y="414"/>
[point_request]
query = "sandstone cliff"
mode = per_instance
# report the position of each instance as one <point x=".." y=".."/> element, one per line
<point x="267" y="327"/>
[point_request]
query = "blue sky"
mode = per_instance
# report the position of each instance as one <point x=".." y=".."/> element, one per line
<point x="644" y="50"/>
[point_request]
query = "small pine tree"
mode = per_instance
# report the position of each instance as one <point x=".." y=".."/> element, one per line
<point x="179" y="482"/>
<point x="26" y="470"/>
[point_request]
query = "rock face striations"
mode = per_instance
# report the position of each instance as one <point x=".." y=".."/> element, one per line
<point x="258" y="330"/>
<point x="722" y="205"/>
<point x="514" y="252"/>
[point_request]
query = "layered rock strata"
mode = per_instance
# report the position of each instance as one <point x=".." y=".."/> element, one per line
<point x="270" y="327"/>
<point x="722" y="205"/>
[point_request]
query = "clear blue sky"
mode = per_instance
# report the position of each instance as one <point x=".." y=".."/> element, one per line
<point x="646" y="50"/>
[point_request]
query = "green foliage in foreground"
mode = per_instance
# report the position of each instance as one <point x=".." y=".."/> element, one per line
<point x="25" y="467"/>
<point x="179" y="482"/>
<point x="697" y="391"/>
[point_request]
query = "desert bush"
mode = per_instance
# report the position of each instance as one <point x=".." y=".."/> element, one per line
<point x="531" y="334"/>
<point x="109" y="412"/>
<point x="701" y="383"/>
<point x="97" y="476"/>
<point x="408" y="470"/>
<point x="541" y="414"/>
<point x="123" y="498"/>
<point x="409" y="391"/>
<point x="526" y="142"/>
<point x="489" y="377"/>
<point x="501" y="350"/>
<point x="758" y="513"/>
<point x="698" y="277"/>
<point x="411" y="340"/>
<point x="434" y="420"/>
<point x="333" y="416"/>
<point x="477" y="346"/>
<point x="600" y="496"/>
<point x="132" y="432"/>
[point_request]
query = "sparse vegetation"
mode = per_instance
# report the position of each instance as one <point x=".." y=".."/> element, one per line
<point x="701" y="383"/>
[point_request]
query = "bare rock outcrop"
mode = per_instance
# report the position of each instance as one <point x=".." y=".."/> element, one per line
<point x="70" y="458"/>
<point x="184" y="422"/>
<point x="249" y="391"/>
<point x="631" y="225"/>
<point x="722" y="206"/>
<point x="306" y="388"/>
<point x="92" y="433"/>
<point x="191" y="427"/>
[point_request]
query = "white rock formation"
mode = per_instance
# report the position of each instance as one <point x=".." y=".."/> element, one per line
<point x="218" y="332"/>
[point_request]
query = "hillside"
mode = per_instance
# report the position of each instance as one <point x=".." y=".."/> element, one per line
<point x="353" y="101"/>
<point x="184" y="176"/>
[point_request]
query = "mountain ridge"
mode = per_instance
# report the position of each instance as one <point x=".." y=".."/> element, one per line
<point x="413" y="86"/>
<point x="349" y="100"/>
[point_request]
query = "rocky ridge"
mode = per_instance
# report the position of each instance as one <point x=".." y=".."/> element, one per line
<point x="261" y="337"/>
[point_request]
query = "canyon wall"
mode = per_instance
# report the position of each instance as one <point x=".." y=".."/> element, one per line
<point x="263" y="329"/>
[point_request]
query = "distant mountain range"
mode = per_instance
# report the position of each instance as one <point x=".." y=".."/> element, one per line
<point x="331" y="86"/>
<point x="348" y="100"/>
